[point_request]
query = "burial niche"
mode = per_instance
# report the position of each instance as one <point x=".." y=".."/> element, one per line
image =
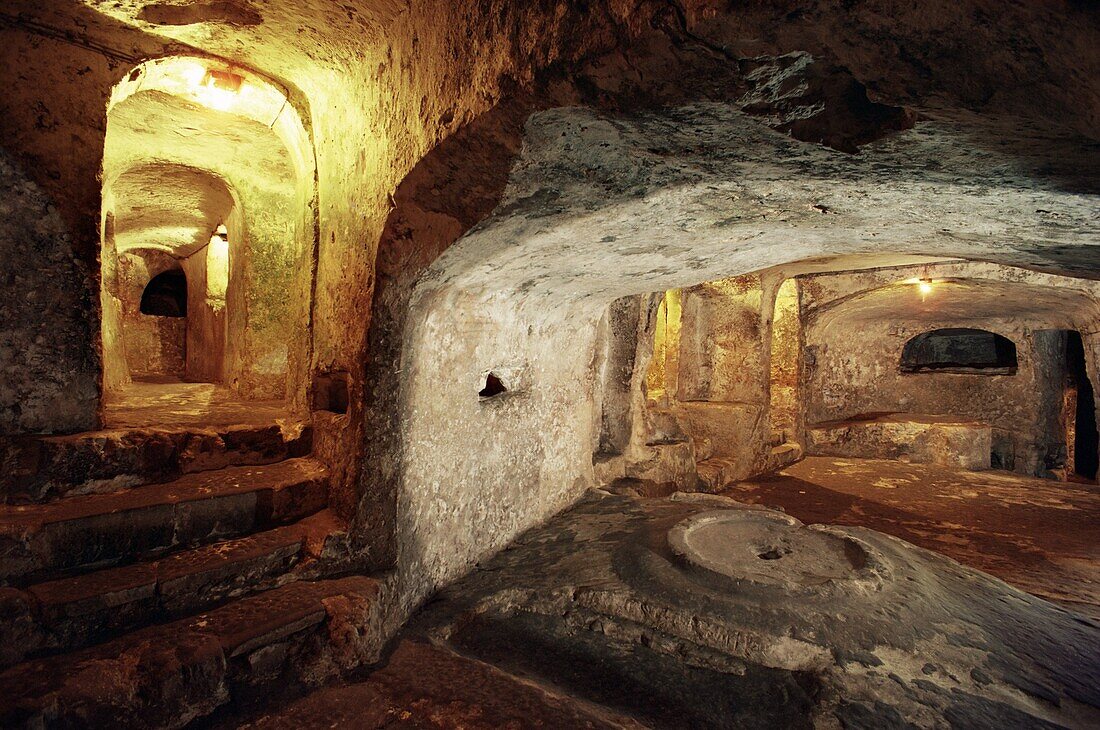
<point x="959" y="350"/>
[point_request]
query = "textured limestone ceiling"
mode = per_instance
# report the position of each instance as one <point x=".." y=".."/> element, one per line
<point x="168" y="207"/>
<point x="602" y="206"/>
<point x="858" y="262"/>
<point x="173" y="168"/>
<point x="962" y="302"/>
<point x="285" y="39"/>
<point x="940" y="52"/>
<point x="157" y="126"/>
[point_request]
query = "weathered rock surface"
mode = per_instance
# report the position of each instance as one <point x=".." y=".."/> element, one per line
<point x="1038" y="535"/>
<point x="423" y="686"/>
<point x="703" y="192"/>
<point x="911" y="437"/>
<point x="50" y="378"/>
<point x="69" y="613"/>
<point x="102" y="529"/>
<point x="168" y="675"/>
<point x="861" y="630"/>
<point x="39" y="468"/>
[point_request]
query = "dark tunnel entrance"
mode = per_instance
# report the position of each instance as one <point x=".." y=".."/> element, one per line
<point x="1086" y="459"/>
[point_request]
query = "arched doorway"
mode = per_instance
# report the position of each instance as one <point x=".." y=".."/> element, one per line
<point x="208" y="171"/>
<point x="165" y="295"/>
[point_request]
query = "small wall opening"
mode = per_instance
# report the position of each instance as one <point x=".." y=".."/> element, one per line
<point x="330" y="392"/>
<point x="959" y="350"/>
<point x="492" y="387"/>
<point x="165" y="295"/>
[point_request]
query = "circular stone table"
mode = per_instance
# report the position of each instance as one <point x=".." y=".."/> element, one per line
<point x="761" y="549"/>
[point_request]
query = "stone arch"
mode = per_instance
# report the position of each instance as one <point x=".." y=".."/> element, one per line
<point x="166" y="294"/>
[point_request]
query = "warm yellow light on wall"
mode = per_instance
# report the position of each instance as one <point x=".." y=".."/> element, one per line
<point x="217" y="267"/>
<point x="663" y="368"/>
<point x="923" y="284"/>
<point x="215" y="85"/>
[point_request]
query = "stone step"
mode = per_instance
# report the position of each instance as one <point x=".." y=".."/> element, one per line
<point x="459" y="693"/>
<point x="43" y="468"/>
<point x="74" y="612"/>
<point x="718" y="472"/>
<point x="170" y="675"/>
<point x="44" y="541"/>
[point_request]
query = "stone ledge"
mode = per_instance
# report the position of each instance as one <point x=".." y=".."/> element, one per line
<point x="914" y="437"/>
<point x="167" y="676"/>
<point x="70" y="613"/>
<point x="39" y="541"/>
<point x="41" y="468"/>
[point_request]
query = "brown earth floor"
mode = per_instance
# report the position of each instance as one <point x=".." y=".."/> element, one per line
<point x="1039" y="535"/>
<point x="166" y="403"/>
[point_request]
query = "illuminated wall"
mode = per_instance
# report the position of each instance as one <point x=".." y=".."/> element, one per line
<point x="245" y="163"/>
<point x="663" y="368"/>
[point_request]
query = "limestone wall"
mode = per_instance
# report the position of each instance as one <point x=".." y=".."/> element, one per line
<point x="49" y="376"/>
<point x="478" y="471"/>
<point x="723" y="388"/>
<point x="152" y="345"/>
<point x="852" y="361"/>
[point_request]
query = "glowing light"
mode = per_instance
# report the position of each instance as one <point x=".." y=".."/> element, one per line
<point x="217" y="266"/>
<point x="925" y="287"/>
<point x="193" y="73"/>
<point x="213" y="84"/>
<point x="217" y="89"/>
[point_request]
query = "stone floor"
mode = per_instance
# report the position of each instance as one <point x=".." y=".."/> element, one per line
<point x="697" y="611"/>
<point x="1039" y="535"/>
<point x="170" y="403"/>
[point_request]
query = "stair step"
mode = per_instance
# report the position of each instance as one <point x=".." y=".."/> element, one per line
<point x="70" y="613"/>
<point x="42" y="468"/>
<point x="461" y="692"/>
<point x="169" y="675"/>
<point x="39" y="542"/>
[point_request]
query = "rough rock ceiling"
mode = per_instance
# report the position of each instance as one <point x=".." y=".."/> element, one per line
<point x="172" y="165"/>
<point x="602" y="206"/>
<point x="965" y="301"/>
<point x="941" y="53"/>
<point x="285" y="39"/>
<point x="169" y="207"/>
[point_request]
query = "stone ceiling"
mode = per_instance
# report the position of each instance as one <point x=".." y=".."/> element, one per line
<point x="168" y="207"/>
<point x="961" y="302"/>
<point x="600" y="206"/>
<point x="173" y="168"/>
